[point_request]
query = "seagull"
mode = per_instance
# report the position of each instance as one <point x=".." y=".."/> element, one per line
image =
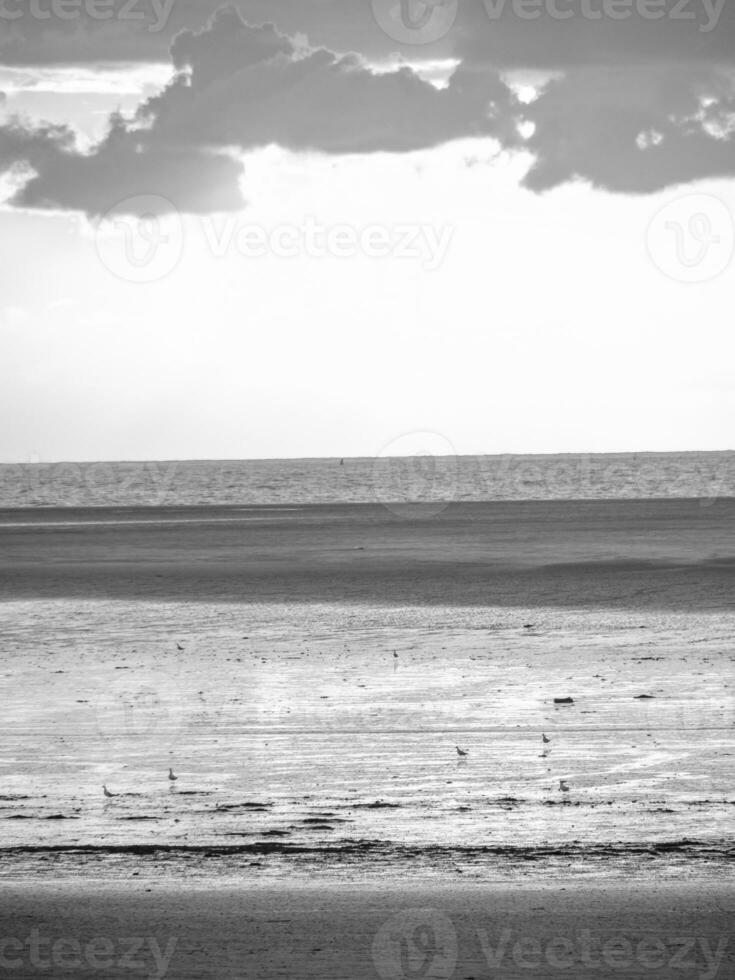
<point x="107" y="793"/>
<point x="179" y="647"/>
<point x="563" y="787"/>
<point x="545" y="739"/>
<point x="461" y="752"/>
<point x="171" y="777"/>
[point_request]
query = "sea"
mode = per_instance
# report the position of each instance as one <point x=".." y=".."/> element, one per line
<point x="422" y="478"/>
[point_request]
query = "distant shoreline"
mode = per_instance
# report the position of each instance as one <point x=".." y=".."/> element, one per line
<point x="671" y="554"/>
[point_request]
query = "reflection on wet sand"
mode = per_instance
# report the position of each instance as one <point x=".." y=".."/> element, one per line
<point x="299" y="740"/>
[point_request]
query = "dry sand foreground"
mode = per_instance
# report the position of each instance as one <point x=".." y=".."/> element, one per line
<point x="353" y="933"/>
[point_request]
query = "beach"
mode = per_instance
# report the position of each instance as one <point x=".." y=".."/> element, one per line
<point x="308" y="673"/>
<point x="365" y="933"/>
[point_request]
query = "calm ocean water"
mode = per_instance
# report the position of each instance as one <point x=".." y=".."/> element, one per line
<point x="383" y="480"/>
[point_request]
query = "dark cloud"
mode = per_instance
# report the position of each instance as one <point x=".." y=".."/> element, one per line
<point x="128" y="31"/>
<point x="498" y="33"/>
<point x="241" y="86"/>
<point x="127" y="167"/>
<point x="38" y="147"/>
<point x="142" y="30"/>
<point x="227" y="45"/>
<point x="250" y="86"/>
<point x="634" y="131"/>
<point x="632" y="125"/>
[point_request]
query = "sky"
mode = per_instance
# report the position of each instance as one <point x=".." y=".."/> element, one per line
<point x="333" y="227"/>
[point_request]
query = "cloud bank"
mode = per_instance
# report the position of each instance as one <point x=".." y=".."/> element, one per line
<point x="632" y="122"/>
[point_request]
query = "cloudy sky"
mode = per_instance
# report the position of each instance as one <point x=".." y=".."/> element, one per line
<point x="310" y="227"/>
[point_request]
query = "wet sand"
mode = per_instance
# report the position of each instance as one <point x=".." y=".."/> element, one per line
<point x="349" y="933"/>
<point x="675" y="554"/>
<point x="321" y="740"/>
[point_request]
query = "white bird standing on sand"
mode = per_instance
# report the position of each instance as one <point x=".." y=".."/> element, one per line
<point x="563" y="787"/>
<point x="107" y="793"/>
<point x="171" y="777"/>
<point x="461" y="752"/>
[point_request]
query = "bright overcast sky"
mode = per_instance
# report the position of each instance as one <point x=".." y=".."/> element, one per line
<point x="223" y="239"/>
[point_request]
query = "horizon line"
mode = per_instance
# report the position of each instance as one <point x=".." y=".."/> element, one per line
<point x="306" y="459"/>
